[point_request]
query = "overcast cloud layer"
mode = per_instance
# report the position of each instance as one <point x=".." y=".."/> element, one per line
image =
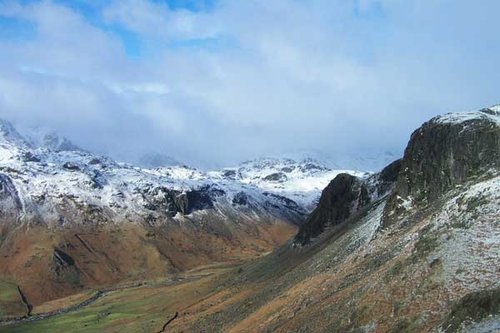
<point x="216" y="82"/>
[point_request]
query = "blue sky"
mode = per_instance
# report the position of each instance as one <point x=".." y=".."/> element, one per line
<point x="215" y="82"/>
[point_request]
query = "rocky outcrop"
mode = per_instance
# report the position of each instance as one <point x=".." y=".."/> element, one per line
<point x="382" y="183"/>
<point x="390" y="173"/>
<point x="64" y="267"/>
<point x="275" y="177"/>
<point x="162" y="199"/>
<point x="71" y="166"/>
<point x="10" y="204"/>
<point x="444" y="152"/>
<point x="240" y="199"/>
<point x="344" y="196"/>
<point x="202" y="198"/>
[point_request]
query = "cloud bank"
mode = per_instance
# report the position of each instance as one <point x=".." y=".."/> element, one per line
<point x="216" y="82"/>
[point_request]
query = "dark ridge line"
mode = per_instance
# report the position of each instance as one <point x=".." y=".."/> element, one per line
<point x="84" y="243"/>
<point x="168" y="322"/>
<point x="24" y="299"/>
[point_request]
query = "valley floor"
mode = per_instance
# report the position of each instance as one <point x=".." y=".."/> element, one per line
<point x="144" y="307"/>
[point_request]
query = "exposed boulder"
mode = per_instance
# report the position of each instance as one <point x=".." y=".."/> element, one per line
<point x="95" y="161"/>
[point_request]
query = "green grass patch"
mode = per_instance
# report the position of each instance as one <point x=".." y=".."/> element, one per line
<point x="11" y="304"/>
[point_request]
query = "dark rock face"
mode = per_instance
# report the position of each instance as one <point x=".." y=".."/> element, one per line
<point x="97" y="179"/>
<point x="199" y="199"/>
<point x="387" y="178"/>
<point x="283" y="201"/>
<point x="30" y="157"/>
<point x="276" y="177"/>
<point x="10" y="204"/>
<point x="71" y="166"/>
<point x="240" y="199"/>
<point x="287" y="169"/>
<point x="390" y="173"/>
<point x="63" y="266"/>
<point x="344" y="196"/>
<point x="442" y="154"/>
<point x="230" y="174"/>
<point x="309" y="166"/>
<point x="162" y="199"/>
<point x="181" y="203"/>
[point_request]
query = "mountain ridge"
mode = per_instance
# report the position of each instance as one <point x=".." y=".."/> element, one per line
<point x="65" y="202"/>
<point x="380" y="253"/>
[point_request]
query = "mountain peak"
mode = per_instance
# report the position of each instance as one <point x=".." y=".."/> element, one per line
<point x="10" y="134"/>
<point x="42" y="137"/>
<point x="445" y="152"/>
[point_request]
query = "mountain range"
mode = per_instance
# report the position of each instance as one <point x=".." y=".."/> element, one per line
<point x="412" y="248"/>
<point x="174" y="218"/>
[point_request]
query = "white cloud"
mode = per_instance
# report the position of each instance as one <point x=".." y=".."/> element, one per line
<point x="329" y="75"/>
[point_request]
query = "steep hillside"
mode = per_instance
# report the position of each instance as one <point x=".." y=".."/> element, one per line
<point x="434" y="267"/>
<point x="360" y="265"/>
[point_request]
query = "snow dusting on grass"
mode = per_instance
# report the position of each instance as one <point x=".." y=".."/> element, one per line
<point x="471" y="251"/>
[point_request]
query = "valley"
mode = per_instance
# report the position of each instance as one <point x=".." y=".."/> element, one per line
<point x="412" y="248"/>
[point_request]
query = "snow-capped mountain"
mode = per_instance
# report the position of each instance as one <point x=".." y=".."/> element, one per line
<point x="41" y="137"/>
<point x="62" y="199"/>
<point x="301" y="181"/>
<point x="52" y="176"/>
<point x="50" y="181"/>
<point x="370" y="160"/>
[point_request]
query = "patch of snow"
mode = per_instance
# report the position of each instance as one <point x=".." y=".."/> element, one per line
<point x="492" y="114"/>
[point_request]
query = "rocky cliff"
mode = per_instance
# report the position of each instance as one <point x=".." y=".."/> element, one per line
<point x="345" y="197"/>
<point x="442" y="154"/>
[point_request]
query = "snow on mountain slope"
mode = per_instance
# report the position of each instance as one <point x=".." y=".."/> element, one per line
<point x="301" y="181"/>
<point x="371" y="160"/>
<point x="52" y="176"/>
<point x="42" y="137"/>
<point x="491" y="113"/>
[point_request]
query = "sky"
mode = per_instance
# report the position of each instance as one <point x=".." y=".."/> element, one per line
<point x="215" y="82"/>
